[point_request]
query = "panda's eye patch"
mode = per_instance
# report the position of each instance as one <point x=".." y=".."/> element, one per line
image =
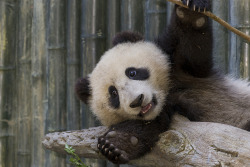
<point x="137" y="73"/>
<point x="114" y="97"/>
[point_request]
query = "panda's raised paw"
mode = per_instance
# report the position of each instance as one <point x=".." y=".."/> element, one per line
<point x="197" y="5"/>
<point x="111" y="152"/>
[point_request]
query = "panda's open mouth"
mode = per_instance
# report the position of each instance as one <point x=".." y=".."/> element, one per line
<point x="147" y="108"/>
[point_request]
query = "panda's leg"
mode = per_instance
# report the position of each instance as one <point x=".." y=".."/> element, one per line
<point x="194" y="52"/>
<point x="188" y="39"/>
<point x="132" y="139"/>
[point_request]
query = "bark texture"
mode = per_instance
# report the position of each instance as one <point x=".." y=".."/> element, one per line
<point x="187" y="143"/>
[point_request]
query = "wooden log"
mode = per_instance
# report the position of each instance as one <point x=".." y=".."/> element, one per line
<point x="185" y="144"/>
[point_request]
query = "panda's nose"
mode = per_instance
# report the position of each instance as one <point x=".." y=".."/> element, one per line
<point x="137" y="102"/>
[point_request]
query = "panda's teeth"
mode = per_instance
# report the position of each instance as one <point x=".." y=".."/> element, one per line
<point x="146" y="108"/>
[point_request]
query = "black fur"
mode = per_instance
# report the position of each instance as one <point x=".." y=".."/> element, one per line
<point x="114" y="97"/>
<point x="189" y="47"/>
<point x="247" y="126"/>
<point x="137" y="73"/>
<point x="118" y="145"/>
<point x="82" y="89"/>
<point x="127" y="37"/>
<point x="137" y="102"/>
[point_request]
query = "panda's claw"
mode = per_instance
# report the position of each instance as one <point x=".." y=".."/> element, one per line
<point x="107" y="143"/>
<point x="111" y="147"/>
<point x="197" y="5"/>
<point x="101" y="141"/>
<point x="123" y="158"/>
<point x="111" y="152"/>
<point x="111" y="134"/>
<point x="117" y="156"/>
<point x="117" y="151"/>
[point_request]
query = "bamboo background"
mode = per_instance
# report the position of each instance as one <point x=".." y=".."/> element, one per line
<point x="45" y="45"/>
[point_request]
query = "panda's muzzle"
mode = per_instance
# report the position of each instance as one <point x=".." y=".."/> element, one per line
<point x="137" y="102"/>
<point x="144" y="109"/>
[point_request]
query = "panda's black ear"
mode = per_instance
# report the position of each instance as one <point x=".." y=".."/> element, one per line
<point x="82" y="89"/>
<point x="127" y="36"/>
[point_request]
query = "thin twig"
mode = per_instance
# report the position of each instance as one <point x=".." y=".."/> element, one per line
<point x="219" y="20"/>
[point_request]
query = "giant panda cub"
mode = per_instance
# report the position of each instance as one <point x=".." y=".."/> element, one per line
<point x="138" y="85"/>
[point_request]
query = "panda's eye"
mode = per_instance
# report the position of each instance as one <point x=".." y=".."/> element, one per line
<point x="113" y="92"/>
<point x="132" y="73"/>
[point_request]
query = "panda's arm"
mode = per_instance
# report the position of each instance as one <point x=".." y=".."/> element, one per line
<point x="133" y="138"/>
<point x="188" y="39"/>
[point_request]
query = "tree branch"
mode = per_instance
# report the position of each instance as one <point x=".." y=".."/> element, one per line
<point x="219" y="20"/>
<point x="186" y="143"/>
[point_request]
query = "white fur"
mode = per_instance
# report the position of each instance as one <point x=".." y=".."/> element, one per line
<point x="238" y="87"/>
<point x="110" y="71"/>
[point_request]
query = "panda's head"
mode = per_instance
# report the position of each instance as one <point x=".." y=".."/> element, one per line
<point x="129" y="82"/>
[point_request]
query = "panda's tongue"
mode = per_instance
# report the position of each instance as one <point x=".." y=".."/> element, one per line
<point x="146" y="108"/>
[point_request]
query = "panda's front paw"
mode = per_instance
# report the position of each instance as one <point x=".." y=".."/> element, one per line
<point x="111" y="152"/>
<point x="197" y="5"/>
<point x="117" y="146"/>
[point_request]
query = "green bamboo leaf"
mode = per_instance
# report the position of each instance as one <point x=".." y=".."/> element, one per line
<point x="75" y="159"/>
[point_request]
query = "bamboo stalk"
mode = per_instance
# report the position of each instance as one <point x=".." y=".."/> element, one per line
<point x="113" y="20"/>
<point x="8" y="20"/>
<point x="170" y="8"/>
<point x="56" y="115"/>
<point x="73" y="63"/>
<point x="93" y="31"/>
<point x="239" y="60"/>
<point x="220" y="45"/>
<point x="132" y="16"/>
<point x="155" y="18"/>
<point x="219" y="20"/>
<point x="38" y="73"/>
<point x="24" y="83"/>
